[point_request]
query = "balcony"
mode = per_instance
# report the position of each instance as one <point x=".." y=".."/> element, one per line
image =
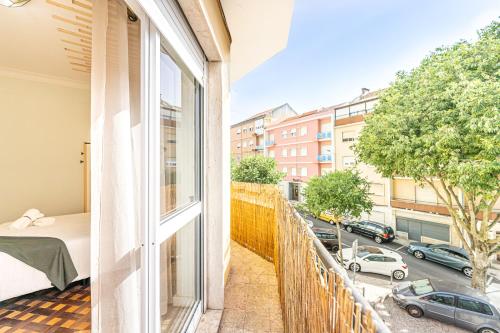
<point x="259" y="147"/>
<point x="281" y="279"/>
<point x="324" y="135"/>
<point x="325" y="158"/>
<point x="270" y="143"/>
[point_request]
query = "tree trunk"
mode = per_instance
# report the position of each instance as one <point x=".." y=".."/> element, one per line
<point x="339" y="236"/>
<point x="480" y="264"/>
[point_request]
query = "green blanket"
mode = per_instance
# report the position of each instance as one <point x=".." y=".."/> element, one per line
<point x="47" y="254"/>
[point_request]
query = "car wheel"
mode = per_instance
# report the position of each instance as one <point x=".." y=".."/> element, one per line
<point x="335" y="248"/>
<point x="414" y="311"/>
<point x="355" y="267"/>
<point x="418" y="254"/>
<point x="378" y="239"/>
<point x="398" y="275"/>
<point x="487" y="330"/>
<point x="467" y="271"/>
<point x="348" y="228"/>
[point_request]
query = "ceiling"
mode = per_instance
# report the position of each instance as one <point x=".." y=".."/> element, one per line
<point x="31" y="42"/>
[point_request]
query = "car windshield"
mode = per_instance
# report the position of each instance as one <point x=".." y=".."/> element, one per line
<point x="421" y="287"/>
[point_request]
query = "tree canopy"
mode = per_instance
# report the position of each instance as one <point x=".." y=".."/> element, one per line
<point x="343" y="193"/>
<point x="440" y="125"/>
<point x="256" y="169"/>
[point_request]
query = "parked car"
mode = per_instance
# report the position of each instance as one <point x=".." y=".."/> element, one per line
<point x="373" y="259"/>
<point x="449" y="302"/>
<point x="326" y="216"/>
<point x="379" y="232"/>
<point x="328" y="238"/>
<point x="443" y="254"/>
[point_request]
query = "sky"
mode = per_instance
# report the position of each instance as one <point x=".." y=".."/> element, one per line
<point x="337" y="47"/>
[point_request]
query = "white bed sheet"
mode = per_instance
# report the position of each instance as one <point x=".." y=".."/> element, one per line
<point x="17" y="278"/>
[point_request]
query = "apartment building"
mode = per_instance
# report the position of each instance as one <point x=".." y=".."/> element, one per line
<point x="302" y="147"/>
<point x="247" y="136"/>
<point x="349" y="120"/>
<point x="414" y="211"/>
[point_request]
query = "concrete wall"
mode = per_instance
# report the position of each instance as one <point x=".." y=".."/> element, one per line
<point x="42" y="131"/>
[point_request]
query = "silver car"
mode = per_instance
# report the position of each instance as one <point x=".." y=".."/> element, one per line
<point x="448" y="302"/>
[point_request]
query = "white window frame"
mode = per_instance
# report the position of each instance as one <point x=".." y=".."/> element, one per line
<point x="187" y="49"/>
<point x="284" y="134"/>
<point x="271" y="153"/>
<point x="294" y="172"/>
<point x="285" y="170"/>
<point x="302" y="173"/>
<point x="293" y="152"/>
<point x="303" y="131"/>
<point x="284" y="153"/>
<point x="303" y="151"/>
<point x="293" y="132"/>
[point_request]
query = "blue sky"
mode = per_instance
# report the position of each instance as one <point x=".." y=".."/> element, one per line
<point x="336" y="47"/>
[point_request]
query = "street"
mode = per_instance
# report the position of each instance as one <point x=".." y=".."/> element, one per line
<point x="417" y="268"/>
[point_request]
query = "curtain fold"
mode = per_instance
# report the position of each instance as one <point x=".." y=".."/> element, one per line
<point x="115" y="278"/>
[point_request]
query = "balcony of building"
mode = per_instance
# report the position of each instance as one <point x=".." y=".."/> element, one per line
<point x="281" y="279"/>
<point x="324" y="135"/>
<point x="270" y="143"/>
<point x="259" y="147"/>
<point x="324" y="158"/>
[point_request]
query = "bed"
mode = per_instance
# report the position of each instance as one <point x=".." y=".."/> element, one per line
<point x="17" y="278"/>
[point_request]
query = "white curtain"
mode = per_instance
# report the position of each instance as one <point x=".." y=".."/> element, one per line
<point x="115" y="278"/>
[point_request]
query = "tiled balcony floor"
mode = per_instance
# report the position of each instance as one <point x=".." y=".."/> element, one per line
<point x="251" y="295"/>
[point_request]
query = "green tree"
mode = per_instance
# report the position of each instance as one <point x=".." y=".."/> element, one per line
<point x="343" y="193"/>
<point x="256" y="169"/>
<point x="440" y="125"/>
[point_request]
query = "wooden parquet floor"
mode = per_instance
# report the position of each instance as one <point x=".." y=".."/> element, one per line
<point x="48" y="311"/>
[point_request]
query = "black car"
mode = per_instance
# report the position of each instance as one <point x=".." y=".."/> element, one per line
<point x="328" y="238"/>
<point x="379" y="232"/>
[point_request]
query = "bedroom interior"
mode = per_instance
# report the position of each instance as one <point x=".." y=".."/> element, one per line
<point x="45" y="105"/>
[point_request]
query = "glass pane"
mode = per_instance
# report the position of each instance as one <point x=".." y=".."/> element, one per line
<point x="179" y="277"/>
<point x="178" y="133"/>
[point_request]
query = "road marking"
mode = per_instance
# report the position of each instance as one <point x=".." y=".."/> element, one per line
<point x="399" y="248"/>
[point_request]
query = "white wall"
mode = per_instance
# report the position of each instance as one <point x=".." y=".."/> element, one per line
<point x="43" y="124"/>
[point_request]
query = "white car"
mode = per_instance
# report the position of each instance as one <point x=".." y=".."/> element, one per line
<point x="373" y="259"/>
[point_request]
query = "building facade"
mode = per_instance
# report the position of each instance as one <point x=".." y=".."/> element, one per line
<point x="247" y="136"/>
<point x="302" y="148"/>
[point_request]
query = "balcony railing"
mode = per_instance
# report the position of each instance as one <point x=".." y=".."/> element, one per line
<point x="269" y="143"/>
<point x="316" y="294"/>
<point x="259" y="147"/>
<point x="324" y="158"/>
<point x="324" y="135"/>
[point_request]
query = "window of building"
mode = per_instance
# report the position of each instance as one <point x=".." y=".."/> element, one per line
<point x="377" y="189"/>
<point x="250" y="143"/>
<point x="244" y="130"/>
<point x="244" y="144"/>
<point x="293" y="132"/>
<point x="271" y="153"/>
<point x="284" y="153"/>
<point x="348" y="161"/>
<point x="294" y="172"/>
<point x="303" y="151"/>
<point x="324" y="171"/>
<point x="238" y="131"/>
<point x="285" y="170"/>
<point x="238" y="146"/>
<point x="348" y="136"/>
<point x="250" y="129"/>
<point x="293" y="152"/>
<point x="284" y="134"/>
<point x="271" y="137"/>
<point x="303" y="172"/>
<point x="303" y="131"/>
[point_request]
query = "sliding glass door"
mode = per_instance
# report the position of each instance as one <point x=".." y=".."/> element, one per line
<point x="175" y="181"/>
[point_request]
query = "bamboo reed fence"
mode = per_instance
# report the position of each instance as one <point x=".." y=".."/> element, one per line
<point x="313" y="297"/>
